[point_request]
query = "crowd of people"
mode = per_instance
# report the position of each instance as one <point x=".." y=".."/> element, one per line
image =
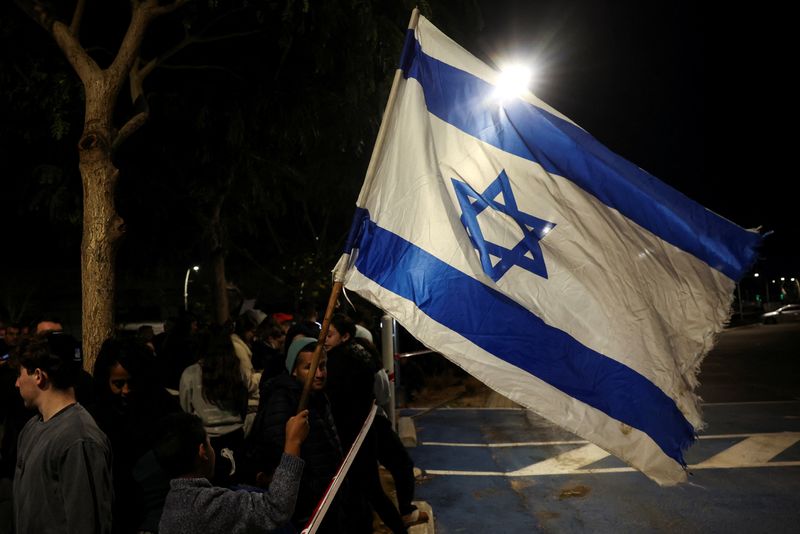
<point x="197" y="429"/>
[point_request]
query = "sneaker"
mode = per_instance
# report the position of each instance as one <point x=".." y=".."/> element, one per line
<point x="415" y="518"/>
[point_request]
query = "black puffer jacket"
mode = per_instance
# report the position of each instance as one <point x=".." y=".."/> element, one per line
<point x="321" y="451"/>
<point x="350" y="388"/>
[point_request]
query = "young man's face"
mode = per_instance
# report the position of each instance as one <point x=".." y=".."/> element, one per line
<point x="303" y="366"/>
<point x="28" y="384"/>
<point x="334" y="338"/>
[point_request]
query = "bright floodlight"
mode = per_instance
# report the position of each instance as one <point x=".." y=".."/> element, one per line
<point x="513" y="81"/>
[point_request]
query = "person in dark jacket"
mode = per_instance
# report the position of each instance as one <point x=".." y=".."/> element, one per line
<point x="128" y="400"/>
<point x="351" y="379"/>
<point x="321" y="451"/>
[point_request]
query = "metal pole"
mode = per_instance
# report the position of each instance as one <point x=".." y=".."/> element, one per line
<point x="389" y="349"/>
<point x="186" y="290"/>
<point x="194" y="268"/>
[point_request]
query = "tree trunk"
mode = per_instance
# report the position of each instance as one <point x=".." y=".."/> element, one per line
<point x="221" y="307"/>
<point x="102" y="229"/>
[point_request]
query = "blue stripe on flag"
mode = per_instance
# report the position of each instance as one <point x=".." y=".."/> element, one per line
<point x="507" y="330"/>
<point x="562" y="148"/>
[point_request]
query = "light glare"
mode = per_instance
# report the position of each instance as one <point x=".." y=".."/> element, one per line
<point x="513" y="81"/>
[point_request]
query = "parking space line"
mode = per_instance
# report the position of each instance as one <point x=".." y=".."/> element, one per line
<point x="566" y="462"/>
<point x="582" y="441"/>
<point x="753" y="450"/>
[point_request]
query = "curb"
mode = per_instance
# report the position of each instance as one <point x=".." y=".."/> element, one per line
<point x="407" y="431"/>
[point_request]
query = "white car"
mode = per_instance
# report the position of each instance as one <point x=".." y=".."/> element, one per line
<point x="132" y="328"/>
<point x="784" y="314"/>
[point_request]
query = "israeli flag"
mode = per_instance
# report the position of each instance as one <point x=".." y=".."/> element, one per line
<point x="505" y="237"/>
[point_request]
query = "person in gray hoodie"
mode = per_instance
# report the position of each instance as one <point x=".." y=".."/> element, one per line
<point x="195" y="505"/>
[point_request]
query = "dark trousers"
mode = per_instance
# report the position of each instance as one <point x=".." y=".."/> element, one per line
<point x="393" y="455"/>
<point x="367" y="490"/>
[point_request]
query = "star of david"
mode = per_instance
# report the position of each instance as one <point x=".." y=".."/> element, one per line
<point x="495" y="259"/>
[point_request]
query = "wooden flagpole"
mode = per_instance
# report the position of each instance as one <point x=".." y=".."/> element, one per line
<point x="326" y="322"/>
<point x="341" y="267"/>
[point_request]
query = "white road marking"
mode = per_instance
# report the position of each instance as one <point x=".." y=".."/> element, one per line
<point x="503" y="445"/>
<point x="572" y="442"/>
<point x="522" y="408"/>
<point x="602" y="471"/>
<point x="755" y="451"/>
<point x="566" y="462"/>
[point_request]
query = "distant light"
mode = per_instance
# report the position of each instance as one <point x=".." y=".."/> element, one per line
<point x="792" y="279"/>
<point x="755" y="275"/>
<point x="514" y="80"/>
<point x="196" y="268"/>
<point x="783" y="279"/>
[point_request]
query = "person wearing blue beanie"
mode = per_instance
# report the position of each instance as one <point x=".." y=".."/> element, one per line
<point x="322" y="449"/>
<point x="300" y="344"/>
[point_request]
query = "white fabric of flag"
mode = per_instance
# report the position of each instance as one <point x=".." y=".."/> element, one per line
<point x="505" y="237"/>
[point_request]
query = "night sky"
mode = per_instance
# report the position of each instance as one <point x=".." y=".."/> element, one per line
<point x="699" y="99"/>
<point x="683" y="92"/>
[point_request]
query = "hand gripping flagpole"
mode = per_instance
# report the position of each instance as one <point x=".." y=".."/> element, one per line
<point x="342" y="264"/>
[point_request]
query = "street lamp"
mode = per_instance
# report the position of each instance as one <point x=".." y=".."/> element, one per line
<point x="194" y="268"/>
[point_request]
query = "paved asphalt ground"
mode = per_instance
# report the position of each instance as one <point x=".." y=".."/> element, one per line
<point x="505" y="470"/>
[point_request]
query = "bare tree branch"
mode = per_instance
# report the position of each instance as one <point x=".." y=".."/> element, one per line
<point x="133" y="124"/>
<point x="77" y="17"/>
<point x="158" y="10"/>
<point x="83" y="64"/>
<point x="36" y="11"/>
<point x="190" y="40"/>
<point x="136" y="77"/>
<point x="129" y="48"/>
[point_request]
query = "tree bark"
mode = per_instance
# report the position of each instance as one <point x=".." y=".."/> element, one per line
<point x="221" y="306"/>
<point x="102" y="226"/>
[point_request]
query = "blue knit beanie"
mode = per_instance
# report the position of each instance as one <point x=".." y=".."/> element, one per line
<point x="296" y="348"/>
